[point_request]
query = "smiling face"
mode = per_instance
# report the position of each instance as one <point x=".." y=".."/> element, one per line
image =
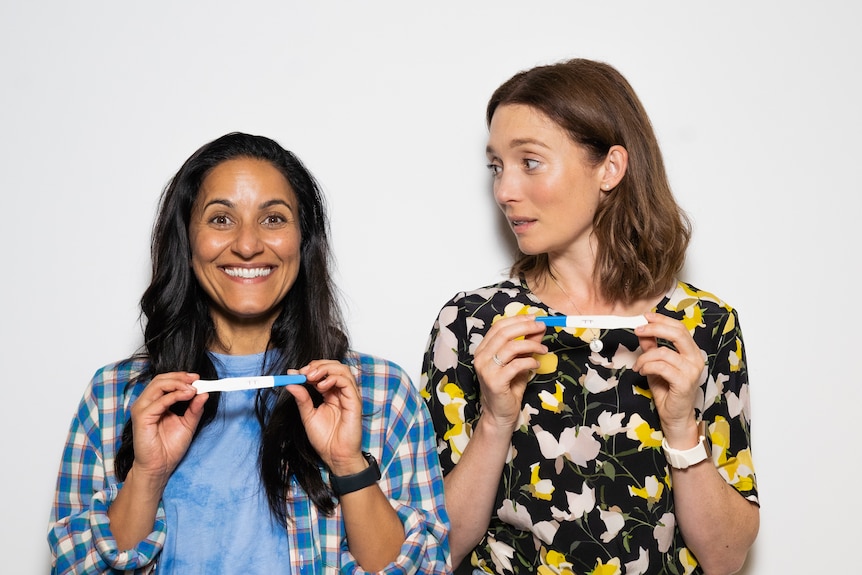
<point x="542" y="181"/>
<point x="245" y="242"/>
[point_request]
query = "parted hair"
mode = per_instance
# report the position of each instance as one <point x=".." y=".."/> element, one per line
<point x="642" y="232"/>
<point x="178" y="328"/>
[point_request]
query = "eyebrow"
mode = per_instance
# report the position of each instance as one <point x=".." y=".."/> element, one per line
<point x="263" y="206"/>
<point x="519" y="142"/>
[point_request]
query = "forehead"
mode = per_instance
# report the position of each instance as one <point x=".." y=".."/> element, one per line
<point x="245" y="178"/>
<point x="514" y="124"/>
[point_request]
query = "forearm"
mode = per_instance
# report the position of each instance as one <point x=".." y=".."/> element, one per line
<point x="717" y="524"/>
<point x="471" y="487"/>
<point x="133" y="512"/>
<point x="374" y="530"/>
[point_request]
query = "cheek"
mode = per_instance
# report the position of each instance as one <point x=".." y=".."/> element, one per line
<point x="204" y="249"/>
<point x="286" y="247"/>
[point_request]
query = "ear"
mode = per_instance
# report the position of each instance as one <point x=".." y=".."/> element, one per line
<point x="614" y="167"/>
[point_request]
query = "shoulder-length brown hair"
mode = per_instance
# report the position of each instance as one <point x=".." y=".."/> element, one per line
<point x="642" y="232"/>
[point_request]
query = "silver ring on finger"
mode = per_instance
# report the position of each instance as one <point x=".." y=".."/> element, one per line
<point x="498" y="361"/>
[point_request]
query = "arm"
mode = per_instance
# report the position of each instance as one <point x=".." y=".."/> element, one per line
<point x="718" y="524"/>
<point x="161" y="438"/>
<point x="476" y="458"/>
<point x="374" y="530"/>
<point x="412" y="480"/>
<point x="79" y="535"/>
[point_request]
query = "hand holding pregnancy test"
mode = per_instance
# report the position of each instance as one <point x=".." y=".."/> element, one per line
<point x="240" y="383"/>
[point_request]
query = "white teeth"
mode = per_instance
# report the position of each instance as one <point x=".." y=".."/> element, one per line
<point x="246" y="273"/>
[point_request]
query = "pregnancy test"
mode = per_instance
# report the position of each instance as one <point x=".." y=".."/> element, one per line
<point x="593" y="321"/>
<point x="240" y="383"/>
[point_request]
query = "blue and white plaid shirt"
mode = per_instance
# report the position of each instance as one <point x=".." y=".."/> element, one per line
<point x="398" y="433"/>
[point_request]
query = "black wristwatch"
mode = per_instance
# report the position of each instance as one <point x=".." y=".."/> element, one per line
<point x="342" y="485"/>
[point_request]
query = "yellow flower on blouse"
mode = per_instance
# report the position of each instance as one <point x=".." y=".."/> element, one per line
<point x="735" y="356"/>
<point x="554" y="563"/>
<point x="547" y="362"/>
<point x="612" y="567"/>
<point x="640" y="430"/>
<point x="651" y="491"/>
<point x="540" y="488"/>
<point x="552" y="402"/>
<point x="458" y="434"/>
<point x="688" y="561"/>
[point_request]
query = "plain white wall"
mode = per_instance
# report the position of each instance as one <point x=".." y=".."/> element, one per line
<point x="756" y="106"/>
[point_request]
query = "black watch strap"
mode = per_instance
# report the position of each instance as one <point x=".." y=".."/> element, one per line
<point x="342" y="485"/>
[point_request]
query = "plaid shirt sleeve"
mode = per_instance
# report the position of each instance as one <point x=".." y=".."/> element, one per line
<point x="79" y="534"/>
<point x="399" y="433"/>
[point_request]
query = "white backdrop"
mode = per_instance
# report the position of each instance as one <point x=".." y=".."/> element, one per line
<point x="756" y="106"/>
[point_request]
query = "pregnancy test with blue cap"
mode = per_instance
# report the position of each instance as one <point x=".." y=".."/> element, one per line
<point x="240" y="383"/>
<point x="593" y="321"/>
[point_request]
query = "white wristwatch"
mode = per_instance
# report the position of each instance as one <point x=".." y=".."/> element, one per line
<point x="683" y="458"/>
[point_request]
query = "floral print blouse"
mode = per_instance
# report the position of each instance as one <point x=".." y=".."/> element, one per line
<point x="586" y="488"/>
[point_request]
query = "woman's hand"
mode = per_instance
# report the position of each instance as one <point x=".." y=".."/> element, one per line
<point x="334" y="427"/>
<point x="161" y="437"/>
<point x="504" y="365"/>
<point x="674" y="377"/>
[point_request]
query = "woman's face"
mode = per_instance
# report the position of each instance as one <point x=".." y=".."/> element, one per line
<point x="245" y="241"/>
<point x="542" y="181"/>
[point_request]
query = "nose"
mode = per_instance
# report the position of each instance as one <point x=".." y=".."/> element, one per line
<point x="505" y="187"/>
<point x="247" y="242"/>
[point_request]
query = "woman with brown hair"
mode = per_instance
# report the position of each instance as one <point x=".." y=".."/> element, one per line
<point x="591" y="410"/>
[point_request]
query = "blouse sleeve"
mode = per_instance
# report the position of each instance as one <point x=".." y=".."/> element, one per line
<point x="399" y="433"/>
<point x="79" y="533"/>
<point x="449" y="380"/>
<point x="726" y="407"/>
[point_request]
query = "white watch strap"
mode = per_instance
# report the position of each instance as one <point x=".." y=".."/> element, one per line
<point x="683" y="458"/>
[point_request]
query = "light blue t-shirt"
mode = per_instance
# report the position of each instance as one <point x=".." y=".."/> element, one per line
<point x="218" y="519"/>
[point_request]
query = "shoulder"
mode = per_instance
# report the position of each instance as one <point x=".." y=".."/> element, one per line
<point x="510" y="287"/>
<point x="492" y="298"/>
<point x="703" y="312"/>
<point x="685" y="296"/>
<point x="118" y="382"/>
<point x="106" y="401"/>
<point x="375" y="373"/>
<point x="389" y="396"/>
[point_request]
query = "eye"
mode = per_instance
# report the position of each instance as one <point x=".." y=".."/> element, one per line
<point x="274" y="220"/>
<point x="495" y="169"/>
<point x="530" y="164"/>
<point x="220" y="220"/>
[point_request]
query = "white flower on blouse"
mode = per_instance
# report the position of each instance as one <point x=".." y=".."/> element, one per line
<point x="578" y="445"/>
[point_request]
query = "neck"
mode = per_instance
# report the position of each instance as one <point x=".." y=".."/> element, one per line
<point x="570" y="289"/>
<point x="237" y="338"/>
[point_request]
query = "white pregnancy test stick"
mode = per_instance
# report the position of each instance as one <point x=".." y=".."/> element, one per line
<point x="240" y="383"/>
<point x="594" y="321"/>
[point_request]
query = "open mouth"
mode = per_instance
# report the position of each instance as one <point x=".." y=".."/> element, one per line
<point x="248" y="273"/>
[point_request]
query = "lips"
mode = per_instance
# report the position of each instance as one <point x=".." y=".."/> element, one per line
<point x="248" y="273"/>
<point x="519" y="222"/>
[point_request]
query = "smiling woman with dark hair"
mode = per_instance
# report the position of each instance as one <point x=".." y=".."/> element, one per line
<point x="339" y="474"/>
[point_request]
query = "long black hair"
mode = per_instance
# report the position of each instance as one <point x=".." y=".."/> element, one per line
<point x="179" y="329"/>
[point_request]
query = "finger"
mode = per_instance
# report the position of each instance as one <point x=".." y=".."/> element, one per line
<point x="325" y="375"/>
<point x="667" y="328"/>
<point x="303" y="400"/>
<point x="509" y="351"/>
<point x="512" y="328"/>
<point x="164" y="391"/>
